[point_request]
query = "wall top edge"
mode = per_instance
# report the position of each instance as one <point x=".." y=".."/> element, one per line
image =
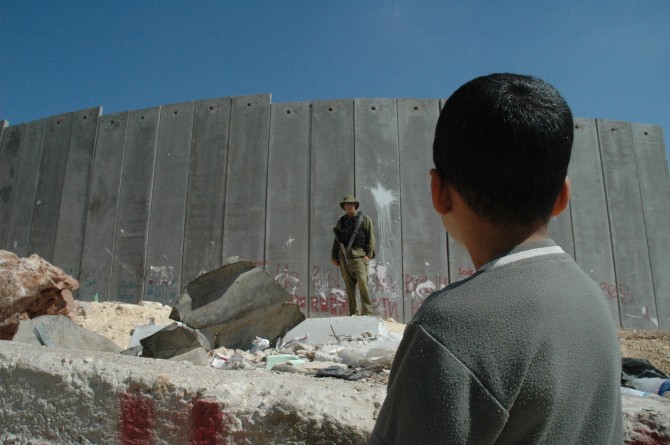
<point x="268" y="97"/>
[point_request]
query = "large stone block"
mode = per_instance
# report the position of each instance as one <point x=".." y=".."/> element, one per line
<point x="235" y="303"/>
<point x="172" y="341"/>
<point x="58" y="331"/>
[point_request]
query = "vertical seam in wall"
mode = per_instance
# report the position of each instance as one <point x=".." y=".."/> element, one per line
<point x="118" y="200"/>
<point x="37" y="183"/>
<point x="572" y="226"/>
<point x="309" y="207"/>
<point x="267" y="181"/>
<point x="3" y="241"/>
<point x="225" y="182"/>
<point x="147" y="266"/>
<point x="402" y="256"/>
<point x="52" y="242"/>
<point x="353" y="141"/>
<point x="188" y="188"/>
<point x="644" y="223"/>
<point x="10" y="210"/>
<point x="609" y="219"/>
<point x="88" y="190"/>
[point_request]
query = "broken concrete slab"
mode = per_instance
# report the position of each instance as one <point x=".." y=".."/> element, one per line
<point x="235" y="304"/>
<point x="30" y="287"/>
<point x="143" y="331"/>
<point x="172" y="341"/>
<point x="332" y="329"/>
<point x="58" y="331"/>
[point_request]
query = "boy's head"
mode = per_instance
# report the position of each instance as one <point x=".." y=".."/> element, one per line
<point x="503" y="142"/>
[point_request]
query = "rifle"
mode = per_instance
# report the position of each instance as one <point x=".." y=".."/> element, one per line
<point x="343" y="252"/>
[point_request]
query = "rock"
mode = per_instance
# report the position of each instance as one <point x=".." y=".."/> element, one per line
<point x="173" y="341"/>
<point x="30" y="287"/>
<point x="58" y="331"/>
<point x="235" y="304"/>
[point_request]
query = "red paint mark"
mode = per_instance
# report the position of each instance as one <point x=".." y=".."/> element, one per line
<point x="136" y="420"/>
<point x="207" y="421"/>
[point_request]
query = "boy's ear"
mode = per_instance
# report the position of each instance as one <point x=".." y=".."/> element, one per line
<point x="563" y="198"/>
<point x="439" y="190"/>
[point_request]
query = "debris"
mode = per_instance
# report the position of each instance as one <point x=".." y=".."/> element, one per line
<point x="234" y="304"/>
<point x="279" y="358"/>
<point x="172" y="341"/>
<point x="30" y="287"/>
<point x="260" y="344"/>
<point x="335" y="329"/>
<point x="58" y="331"/>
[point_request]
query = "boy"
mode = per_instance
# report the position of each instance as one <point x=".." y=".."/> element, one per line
<point x="525" y="350"/>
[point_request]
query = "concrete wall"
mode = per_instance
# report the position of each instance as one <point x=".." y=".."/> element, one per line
<point x="137" y="204"/>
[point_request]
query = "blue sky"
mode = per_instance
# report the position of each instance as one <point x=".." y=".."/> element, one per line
<point x="610" y="59"/>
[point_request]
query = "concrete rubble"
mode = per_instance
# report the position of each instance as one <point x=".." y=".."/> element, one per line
<point x="235" y="303"/>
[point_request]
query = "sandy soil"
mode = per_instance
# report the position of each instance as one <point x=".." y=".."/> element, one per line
<point x="116" y="321"/>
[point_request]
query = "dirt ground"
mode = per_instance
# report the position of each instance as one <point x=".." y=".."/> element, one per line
<point x="117" y="320"/>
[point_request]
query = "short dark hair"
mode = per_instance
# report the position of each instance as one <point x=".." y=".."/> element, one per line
<point x="503" y="141"/>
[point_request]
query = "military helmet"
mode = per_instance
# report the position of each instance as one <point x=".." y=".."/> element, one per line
<point x="349" y="198"/>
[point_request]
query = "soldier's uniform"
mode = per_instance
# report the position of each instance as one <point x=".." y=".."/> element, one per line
<point x="355" y="268"/>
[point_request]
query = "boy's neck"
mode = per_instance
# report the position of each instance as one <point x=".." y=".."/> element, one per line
<point x="485" y="242"/>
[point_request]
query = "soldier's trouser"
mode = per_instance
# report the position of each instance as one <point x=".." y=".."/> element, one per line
<point x="356" y="271"/>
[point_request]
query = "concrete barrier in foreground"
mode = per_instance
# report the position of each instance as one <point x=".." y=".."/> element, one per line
<point x="54" y="396"/>
<point x="71" y="396"/>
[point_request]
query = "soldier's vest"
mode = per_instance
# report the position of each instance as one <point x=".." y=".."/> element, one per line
<point x="347" y="226"/>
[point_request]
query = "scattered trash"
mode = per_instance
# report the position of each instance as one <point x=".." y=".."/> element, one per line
<point x="296" y="340"/>
<point x="652" y="385"/>
<point x="259" y="344"/>
<point x="272" y="360"/>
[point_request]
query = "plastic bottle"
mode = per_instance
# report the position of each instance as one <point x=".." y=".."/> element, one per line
<point x="652" y="385"/>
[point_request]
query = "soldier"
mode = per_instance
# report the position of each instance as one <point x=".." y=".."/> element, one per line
<point x="353" y="247"/>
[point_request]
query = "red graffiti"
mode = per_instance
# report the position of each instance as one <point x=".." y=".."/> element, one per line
<point x="465" y="272"/>
<point x="332" y="304"/>
<point x="621" y="291"/>
<point x="208" y="423"/>
<point x="137" y="419"/>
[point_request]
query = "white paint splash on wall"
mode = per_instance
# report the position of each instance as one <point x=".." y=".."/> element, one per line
<point x="289" y="242"/>
<point x="386" y="281"/>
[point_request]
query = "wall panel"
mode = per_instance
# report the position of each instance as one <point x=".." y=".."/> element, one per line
<point x="50" y="186"/>
<point x="287" y="220"/>
<point x="203" y="233"/>
<point x="588" y="207"/>
<point x="378" y="190"/>
<point x="98" y="247"/>
<point x="331" y="178"/>
<point x="23" y="201"/>
<point x="246" y="181"/>
<point x="655" y="190"/>
<point x="629" y="241"/>
<point x="424" y="240"/>
<point x="72" y="214"/>
<point x="132" y="218"/>
<point x="10" y="141"/>
<point x="168" y="203"/>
